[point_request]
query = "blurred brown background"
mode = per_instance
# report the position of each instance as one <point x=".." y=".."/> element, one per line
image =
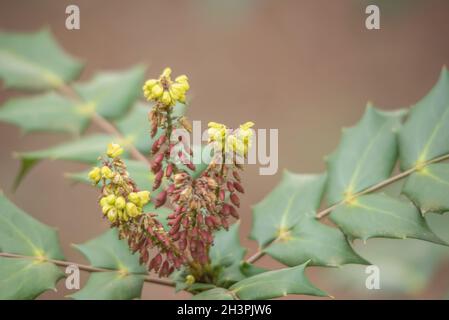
<point x="305" y="67"/>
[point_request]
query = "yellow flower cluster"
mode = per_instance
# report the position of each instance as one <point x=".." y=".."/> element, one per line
<point x="118" y="201"/>
<point x="165" y="90"/>
<point x="117" y="207"/>
<point x="239" y="141"/>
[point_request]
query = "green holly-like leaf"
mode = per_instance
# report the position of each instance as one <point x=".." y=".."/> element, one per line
<point x="86" y="149"/>
<point x="366" y="155"/>
<point x="425" y="134"/>
<point x="112" y="93"/>
<point x="214" y="294"/>
<point x="24" y="235"/>
<point x="111" y="286"/>
<point x="288" y="214"/>
<point x="266" y="285"/>
<point x="227" y="248"/>
<point x="35" y="61"/>
<point x="381" y="216"/>
<point x="26" y="278"/>
<point x="126" y="279"/>
<point x="47" y="112"/>
<point x="227" y="254"/>
<point x="107" y="251"/>
<point x="428" y="188"/>
<point x="406" y="267"/>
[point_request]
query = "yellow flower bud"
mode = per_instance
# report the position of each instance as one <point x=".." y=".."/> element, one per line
<point x="114" y="150"/>
<point x="190" y="280"/>
<point x="134" y="198"/>
<point x="106" y="172"/>
<point x="150" y="84"/>
<point x="132" y="210"/>
<point x="110" y="199"/>
<point x="112" y="215"/>
<point x="105" y="209"/>
<point x="144" y="197"/>
<point x="103" y="201"/>
<point x="166" y="73"/>
<point x="182" y="78"/>
<point x="157" y="90"/>
<point x="166" y="98"/>
<point x="123" y="215"/>
<point x="120" y="203"/>
<point x="95" y="175"/>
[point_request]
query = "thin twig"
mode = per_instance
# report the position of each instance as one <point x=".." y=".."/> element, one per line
<point x="323" y="213"/>
<point x="87" y="268"/>
<point x="105" y="125"/>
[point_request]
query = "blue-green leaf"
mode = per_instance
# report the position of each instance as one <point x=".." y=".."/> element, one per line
<point x="35" y="61"/>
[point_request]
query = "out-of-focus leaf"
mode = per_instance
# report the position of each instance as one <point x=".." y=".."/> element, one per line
<point x="428" y="188"/>
<point x="135" y="126"/>
<point x="86" y="149"/>
<point x="425" y="134"/>
<point x="23" y="235"/>
<point x="405" y="267"/>
<point x="366" y="155"/>
<point x="274" y="284"/>
<point x="227" y="248"/>
<point x="378" y="215"/>
<point x="288" y="213"/>
<point x="35" y="61"/>
<point x="227" y="254"/>
<point x="47" y="112"/>
<point x="112" y="93"/>
<point x="107" y="251"/>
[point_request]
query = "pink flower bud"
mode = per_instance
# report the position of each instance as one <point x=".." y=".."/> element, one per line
<point x="230" y="186"/>
<point x="235" y="200"/>
<point x="234" y="212"/>
<point x="236" y="176"/>
<point x="239" y="187"/>
<point x="221" y="195"/>
<point x="160" y="199"/>
<point x="169" y="170"/>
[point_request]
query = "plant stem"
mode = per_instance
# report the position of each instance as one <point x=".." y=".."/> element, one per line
<point x="106" y="126"/>
<point x="88" y="268"/>
<point x="323" y="213"/>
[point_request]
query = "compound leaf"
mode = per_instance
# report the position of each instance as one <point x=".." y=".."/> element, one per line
<point x="35" y="61"/>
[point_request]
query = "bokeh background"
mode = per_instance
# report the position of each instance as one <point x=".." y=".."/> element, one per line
<point x="305" y="67"/>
